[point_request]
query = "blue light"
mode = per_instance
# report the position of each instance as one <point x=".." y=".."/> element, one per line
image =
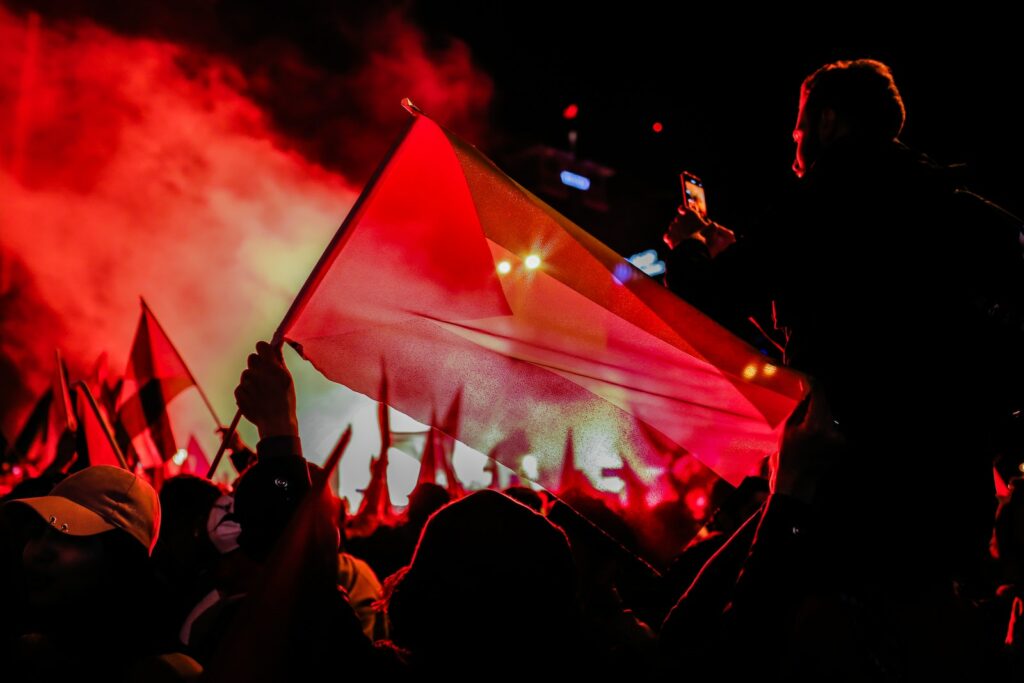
<point x="648" y="262"/>
<point x="573" y="180"/>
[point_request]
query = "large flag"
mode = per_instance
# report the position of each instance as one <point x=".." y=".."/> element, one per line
<point x="461" y="280"/>
<point x="155" y="374"/>
<point x="96" y="443"/>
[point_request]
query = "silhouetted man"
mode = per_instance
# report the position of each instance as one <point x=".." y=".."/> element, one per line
<point x="882" y="276"/>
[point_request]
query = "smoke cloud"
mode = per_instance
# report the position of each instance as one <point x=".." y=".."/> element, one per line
<point x="199" y="170"/>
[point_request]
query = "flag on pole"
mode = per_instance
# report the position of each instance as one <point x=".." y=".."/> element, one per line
<point x="464" y="282"/>
<point x="96" y="443"/>
<point x="57" y="448"/>
<point x="155" y="374"/>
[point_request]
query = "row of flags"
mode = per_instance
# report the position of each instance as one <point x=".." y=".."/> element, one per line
<point x="104" y="421"/>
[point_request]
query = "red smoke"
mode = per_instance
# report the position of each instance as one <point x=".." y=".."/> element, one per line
<point x="208" y="183"/>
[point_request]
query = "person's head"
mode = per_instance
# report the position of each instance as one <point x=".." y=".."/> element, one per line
<point x="528" y="497"/>
<point x="846" y="99"/>
<point x="95" y="531"/>
<point x="1009" y="532"/>
<point x="184" y="550"/>
<point x="453" y="599"/>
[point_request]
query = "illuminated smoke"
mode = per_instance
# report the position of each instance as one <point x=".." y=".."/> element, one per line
<point x="206" y="179"/>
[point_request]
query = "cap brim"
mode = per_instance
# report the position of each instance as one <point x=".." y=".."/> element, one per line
<point x="68" y="516"/>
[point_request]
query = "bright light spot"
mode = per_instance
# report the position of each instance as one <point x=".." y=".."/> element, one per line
<point x="644" y="258"/>
<point x="750" y="372"/>
<point x="570" y="112"/>
<point x="530" y="467"/>
<point x="622" y="273"/>
<point x="180" y="457"/>
<point x="403" y="471"/>
<point x="532" y="261"/>
<point x="697" y="501"/>
<point x="575" y="180"/>
<point x="769" y="370"/>
<point x="469" y="465"/>
<point x="648" y="262"/>
<point x="504" y="267"/>
<point x="657" y="127"/>
<point x="1021" y="467"/>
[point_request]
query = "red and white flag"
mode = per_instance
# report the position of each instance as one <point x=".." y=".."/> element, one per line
<point x="155" y="374"/>
<point x="463" y="281"/>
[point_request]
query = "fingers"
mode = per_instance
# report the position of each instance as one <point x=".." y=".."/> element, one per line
<point x="265" y="353"/>
<point x="269" y="352"/>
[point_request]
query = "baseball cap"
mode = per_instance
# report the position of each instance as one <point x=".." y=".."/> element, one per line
<point x="98" y="499"/>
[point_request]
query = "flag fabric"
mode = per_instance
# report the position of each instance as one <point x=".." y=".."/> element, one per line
<point x="96" y="443"/>
<point x="197" y="462"/>
<point x="31" y="438"/>
<point x="104" y="386"/>
<point x="155" y="374"/>
<point x="375" y="508"/>
<point x="438" y="451"/>
<point x="57" y="447"/>
<point x="467" y="284"/>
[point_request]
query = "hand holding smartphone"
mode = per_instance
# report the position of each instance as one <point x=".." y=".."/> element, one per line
<point x="693" y="194"/>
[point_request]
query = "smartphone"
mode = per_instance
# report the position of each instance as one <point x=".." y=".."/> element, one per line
<point x="693" y="194"/>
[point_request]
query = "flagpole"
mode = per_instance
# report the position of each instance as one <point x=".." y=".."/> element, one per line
<point x="209" y="406"/>
<point x="321" y="267"/>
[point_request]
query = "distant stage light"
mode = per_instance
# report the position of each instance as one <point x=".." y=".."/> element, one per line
<point x="532" y="261"/>
<point x="504" y="267"/>
<point x="575" y="180"/>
